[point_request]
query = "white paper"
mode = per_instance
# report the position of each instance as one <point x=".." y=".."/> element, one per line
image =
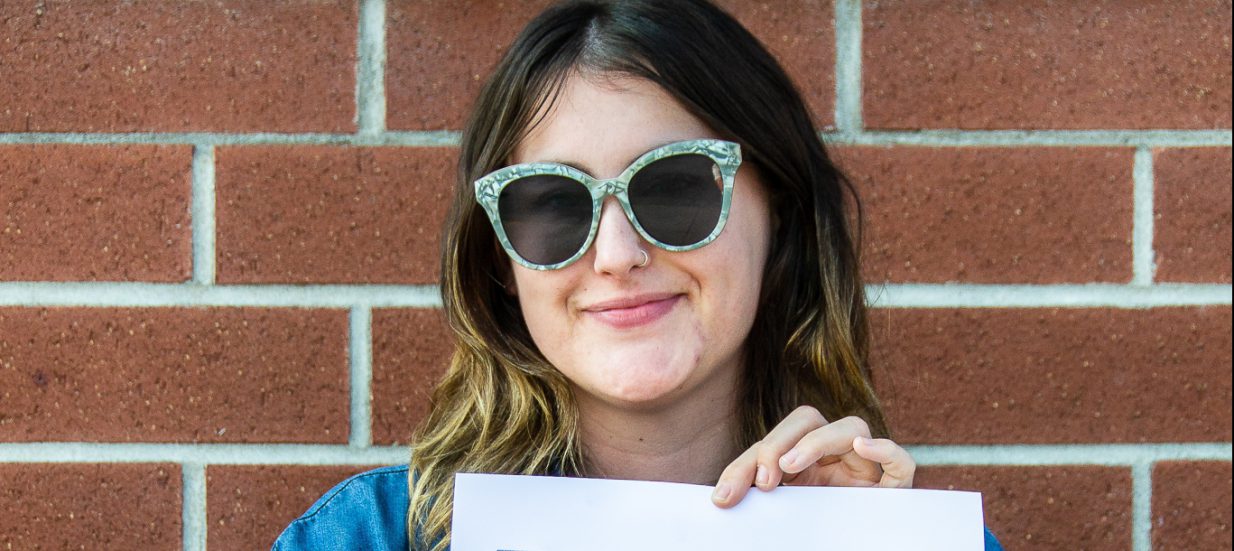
<point x="538" y="513"/>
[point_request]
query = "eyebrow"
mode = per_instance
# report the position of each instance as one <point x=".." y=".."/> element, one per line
<point x="585" y="168"/>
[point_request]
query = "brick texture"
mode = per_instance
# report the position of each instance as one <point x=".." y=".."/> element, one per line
<point x="1191" y="222"/>
<point x="1191" y="505"/>
<point x="994" y="215"/>
<point x="1043" y="64"/>
<point x="90" y="506"/>
<point x="236" y="65"/>
<point x="1046" y="508"/>
<point x="441" y="52"/>
<point x="325" y="214"/>
<point x="1038" y="376"/>
<point x="173" y="375"/>
<point x="89" y="91"/>
<point x="801" y="36"/>
<point x="411" y="350"/>
<point x="249" y="506"/>
<point x="95" y="213"/>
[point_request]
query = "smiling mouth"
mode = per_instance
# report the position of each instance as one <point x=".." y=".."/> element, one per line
<point x="627" y="314"/>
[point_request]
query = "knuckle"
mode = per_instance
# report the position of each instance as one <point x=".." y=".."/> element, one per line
<point x="756" y="451"/>
<point x="751" y="452"/>
<point x="810" y="412"/>
<point x="815" y="438"/>
<point x="858" y="423"/>
<point x="766" y="454"/>
<point x="731" y="474"/>
<point x="909" y="464"/>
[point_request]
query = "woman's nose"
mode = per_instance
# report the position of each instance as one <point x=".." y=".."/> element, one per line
<point x="618" y="246"/>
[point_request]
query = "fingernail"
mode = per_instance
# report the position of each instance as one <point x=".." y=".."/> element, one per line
<point x="789" y="458"/>
<point x="760" y="478"/>
<point x="721" y="494"/>
<point x="864" y="441"/>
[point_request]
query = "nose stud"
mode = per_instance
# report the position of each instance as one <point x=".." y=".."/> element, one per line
<point x="646" y="258"/>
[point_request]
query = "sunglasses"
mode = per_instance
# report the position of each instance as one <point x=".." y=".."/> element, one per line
<point x="676" y="196"/>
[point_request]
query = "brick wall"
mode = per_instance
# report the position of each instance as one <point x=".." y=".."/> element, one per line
<point x="217" y="252"/>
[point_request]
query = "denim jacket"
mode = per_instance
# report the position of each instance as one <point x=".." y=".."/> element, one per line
<point x="369" y="511"/>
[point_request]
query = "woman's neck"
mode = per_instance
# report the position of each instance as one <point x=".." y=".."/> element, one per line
<point x="690" y="441"/>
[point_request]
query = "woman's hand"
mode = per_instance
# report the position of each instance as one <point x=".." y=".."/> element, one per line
<point x="807" y="450"/>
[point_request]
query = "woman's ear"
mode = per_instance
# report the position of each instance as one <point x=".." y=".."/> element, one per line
<point x="503" y="270"/>
<point x="775" y="203"/>
<point x="505" y="279"/>
<point x="510" y="285"/>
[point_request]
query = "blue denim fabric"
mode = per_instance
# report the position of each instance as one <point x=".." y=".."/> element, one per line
<point x="369" y="511"/>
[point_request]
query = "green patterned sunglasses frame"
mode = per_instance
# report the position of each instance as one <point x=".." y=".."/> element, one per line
<point x="727" y="156"/>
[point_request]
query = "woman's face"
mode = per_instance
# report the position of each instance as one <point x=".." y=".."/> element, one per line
<point x="633" y="336"/>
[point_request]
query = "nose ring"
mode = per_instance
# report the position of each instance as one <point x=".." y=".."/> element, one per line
<point x="646" y="258"/>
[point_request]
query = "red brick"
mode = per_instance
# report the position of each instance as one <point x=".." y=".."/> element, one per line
<point x="325" y="214"/>
<point x="90" y="506"/>
<point x="411" y="350"/>
<point x="114" y="213"/>
<point x="994" y="215"/>
<point x="441" y="52"/>
<point x="1051" y="375"/>
<point x="173" y="375"/>
<point x="247" y="507"/>
<point x="801" y="36"/>
<point x="1047" y="508"/>
<point x="1192" y="214"/>
<point x="1045" y="64"/>
<point x="1191" y="505"/>
<point x="234" y="65"/>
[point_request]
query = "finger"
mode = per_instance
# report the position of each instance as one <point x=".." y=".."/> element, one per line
<point x="898" y="465"/>
<point x="835" y="439"/>
<point x="780" y="440"/>
<point x="735" y="481"/>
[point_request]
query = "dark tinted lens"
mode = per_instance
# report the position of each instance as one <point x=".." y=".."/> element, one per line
<point x="546" y="218"/>
<point x="678" y="199"/>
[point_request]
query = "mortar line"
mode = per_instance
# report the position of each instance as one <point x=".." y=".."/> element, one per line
<point x="435" y="138"/>
<point x="202" y="214"/>
<point x="125" y="294"/>
<point x="1045" y="138"/>
<point x="361" y="360"/>
<point x="450" y="138"/>
<point x="1046" y="296"/>
<point x="848" y="80"/>
<point x="1143" y="257"/>
<point x="193" y="506"/>
<point x="1141" y="506"/>
<point x="1122" y="455"/>
<point x="204" y="454"/>
<point x="370" y="68"/>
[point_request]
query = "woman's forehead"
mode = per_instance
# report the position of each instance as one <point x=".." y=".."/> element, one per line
<point x="606" y="121"/>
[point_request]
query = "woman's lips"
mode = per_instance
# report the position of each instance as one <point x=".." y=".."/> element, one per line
<point x="629" y="313"/>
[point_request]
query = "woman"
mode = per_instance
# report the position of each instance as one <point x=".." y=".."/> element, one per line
<point x="650" y="273"/>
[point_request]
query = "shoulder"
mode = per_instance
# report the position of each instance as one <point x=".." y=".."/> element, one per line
<point x="366" y="511"/>
<point x="991" y="543"/>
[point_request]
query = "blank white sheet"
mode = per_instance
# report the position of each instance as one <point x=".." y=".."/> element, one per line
<point x="540" y="513"/>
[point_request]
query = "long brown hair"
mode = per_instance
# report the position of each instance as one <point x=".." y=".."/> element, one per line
<point x="501" y="407"/>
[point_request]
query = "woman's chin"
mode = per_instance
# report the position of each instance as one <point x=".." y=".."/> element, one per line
<point x="640" y="386"/>
<point x="637" y="375"/>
